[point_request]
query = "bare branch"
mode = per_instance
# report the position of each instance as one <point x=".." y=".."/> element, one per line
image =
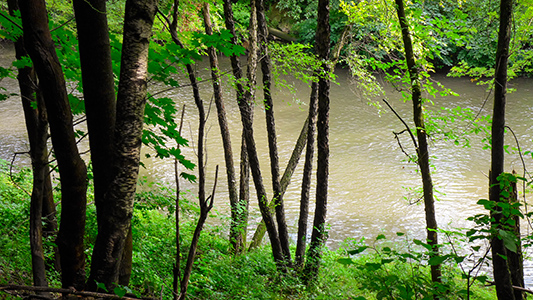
<point x="4" y="287"/>
<point x="405" y="124"/>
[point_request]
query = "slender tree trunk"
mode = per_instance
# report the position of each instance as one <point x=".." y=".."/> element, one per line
<point x="244" y="181"/>
<point x="206" y="204"/>
<point x="37" y="127"/>
<point x="98" y="90"/>
<point x="131" y="101"/>
<point x="422" y="151"/>
<point x="516" y="258"/>
<point x="241" y="222"/>
<point x="246" y="117"/>
<point x="177" y="271"/>
<point x="238" y="227"/>
<point x="245" y="107"/>
<point x="285" y="180"/>
<point x="502" y="276"/>
<point x="72" y="169"/>
<point x="319" y="235"/>
<point x="226" y="140"/>
<point x="271" y="130"/>
<point x="306" y="177"/>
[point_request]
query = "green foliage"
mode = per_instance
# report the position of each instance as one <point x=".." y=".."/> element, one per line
<point x="15" y="265"/>
<point x="397" y="271"/>
<point x="218" y="274"/>
<point x="485" y="225"/>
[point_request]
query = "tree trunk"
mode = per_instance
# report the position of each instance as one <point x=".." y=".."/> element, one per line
<point x="98" y="91"/>
<point x="235" y="227"/>
<point x="238" y="227"/>
<point x="72" y="169"/>
<point x="205" y="203"/>
<point x="502" y="277"/>
<point x="422" y="151"/>
<point x="318" y="237"/>
<point x="238" y="241"/>
<point x="306" y="178"/>
<point x="37" y="128"/>
<point x="516" y="259"/>
<point x="271" y="130"/>
<point x="285" y="180"/>
<point x="245" y="107"/>
<point x="131" y="101"/>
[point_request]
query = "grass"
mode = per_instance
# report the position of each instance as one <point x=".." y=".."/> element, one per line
<point x="218" y="274"/>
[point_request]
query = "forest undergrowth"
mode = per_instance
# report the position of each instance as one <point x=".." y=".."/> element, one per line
<point x="375" y="270"/>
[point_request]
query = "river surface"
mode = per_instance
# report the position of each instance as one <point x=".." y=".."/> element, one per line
<point x="371" y="184"/>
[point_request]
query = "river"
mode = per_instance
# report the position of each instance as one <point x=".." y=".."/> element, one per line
<point x="371" y="184"/>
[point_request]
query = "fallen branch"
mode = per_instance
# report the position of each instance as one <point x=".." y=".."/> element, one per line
<point x="6" y="288"/>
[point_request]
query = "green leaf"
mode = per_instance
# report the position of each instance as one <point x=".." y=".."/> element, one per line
<point x="23" y="62"/>
<point x="373" y="266"/>
<point x="482" y="278"/>
<point x="357" y="250"/>
<point x="119" y="291"/>
<point x="189" y="177"/>
<point x="101" y="285"/>
<point x="437" y="260"/>
<point x="381" y="237"/>
<point x="345" y="261"/>
<point x="509" y="239"/>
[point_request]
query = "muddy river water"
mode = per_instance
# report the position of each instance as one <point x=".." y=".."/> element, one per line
<point x="371" y="185"/>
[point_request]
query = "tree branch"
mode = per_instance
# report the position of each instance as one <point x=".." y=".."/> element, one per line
<point x="5" y="288"/>
<point x="405" y="124"/>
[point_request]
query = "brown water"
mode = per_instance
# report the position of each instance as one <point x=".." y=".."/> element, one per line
<point x="370" y="182"/>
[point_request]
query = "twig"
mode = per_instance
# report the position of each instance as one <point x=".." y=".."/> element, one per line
<point x="4" y="287"/>
<point x="522" y="289"/>
<point x="396" y="136"/>
<point x="524" y="174"/>
<point x="212" y="197"/>
<point x="405" y="124"/>
<point x="66" y="22"/>
<point x="10" y="20"/>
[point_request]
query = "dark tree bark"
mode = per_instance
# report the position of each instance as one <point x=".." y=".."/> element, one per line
<point x="318" y="237"/>
<point x="422" y="150"/>
<point x="72" y="169"/>
<point x="37" y="128"/>
<point x="98" y="91"/>
<point x="245" y="107"/>
<point x="131" y="101"/>
<point x="502" y="276"/>
<point x="235" y="227"/>
<point x="271" y="129"/>
<point x="306" y="177"/>
<point x="516" y="258"/>
<point x="244" y="179"/>
<point x="176" y="272"/>
<point x="284" y="182"/>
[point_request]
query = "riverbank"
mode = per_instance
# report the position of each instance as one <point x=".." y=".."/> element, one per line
<point x="217" y="273"/>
